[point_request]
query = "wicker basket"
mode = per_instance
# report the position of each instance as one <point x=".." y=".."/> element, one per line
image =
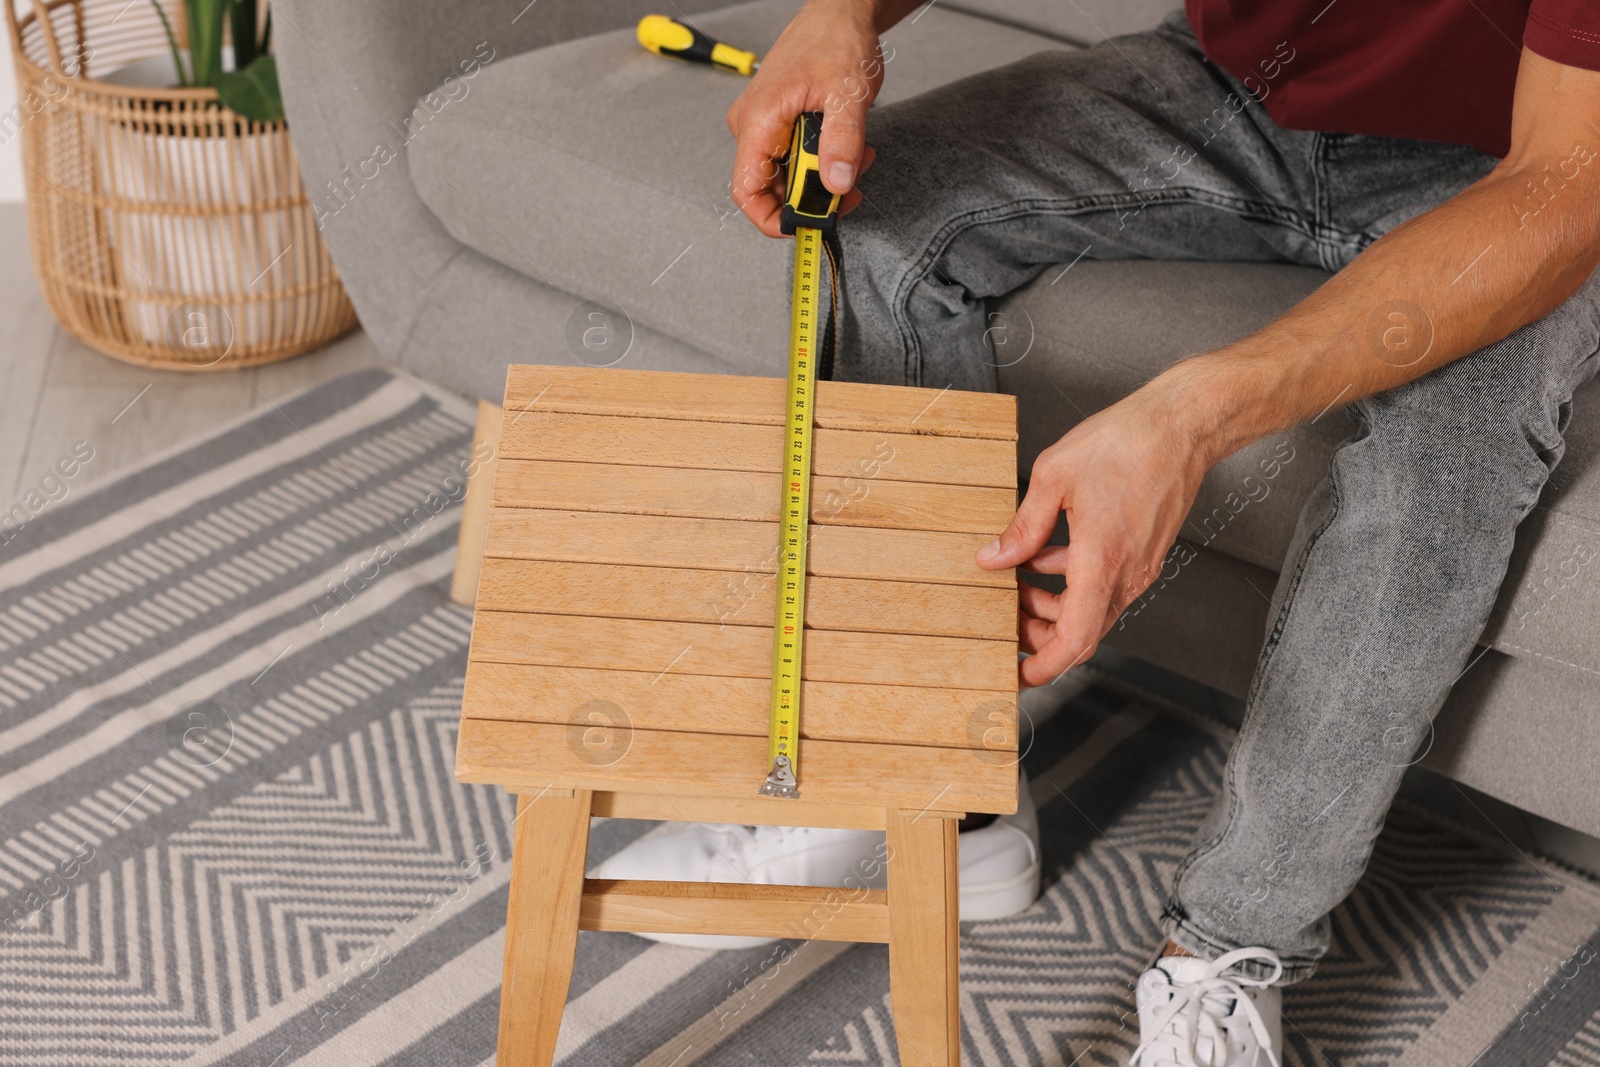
<point x="166" y="230"/>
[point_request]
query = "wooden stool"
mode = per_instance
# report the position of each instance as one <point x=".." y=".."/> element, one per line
<point x="622" y="653"/>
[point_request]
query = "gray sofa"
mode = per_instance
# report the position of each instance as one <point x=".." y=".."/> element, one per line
<point x="495" y="179"/>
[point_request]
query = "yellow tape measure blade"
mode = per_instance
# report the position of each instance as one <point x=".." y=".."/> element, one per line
<point x="788" y="637"/>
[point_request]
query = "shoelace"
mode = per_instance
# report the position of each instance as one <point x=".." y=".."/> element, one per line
<point x="1200" y="1003"/>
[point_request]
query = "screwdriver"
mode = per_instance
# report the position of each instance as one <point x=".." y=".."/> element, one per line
<point x="669" y="37"/>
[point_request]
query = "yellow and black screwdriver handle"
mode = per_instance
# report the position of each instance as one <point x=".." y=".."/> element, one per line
<point x="678" y="40"/>
<point x="806" y="201"/>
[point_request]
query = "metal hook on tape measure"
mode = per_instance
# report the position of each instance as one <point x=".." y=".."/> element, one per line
<point x="780" y="780"/>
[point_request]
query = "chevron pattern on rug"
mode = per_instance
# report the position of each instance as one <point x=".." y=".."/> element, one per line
<point x="1054" y="985"/>
<point x="191" y="835"/>
<point x="1584" y="1048"/>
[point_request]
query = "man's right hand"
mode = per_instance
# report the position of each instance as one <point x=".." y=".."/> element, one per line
<point x="827" y="60"/>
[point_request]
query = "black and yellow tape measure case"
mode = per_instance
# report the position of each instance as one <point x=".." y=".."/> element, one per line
<point x="807" y="202"/>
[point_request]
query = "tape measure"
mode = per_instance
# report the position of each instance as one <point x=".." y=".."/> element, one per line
<point x="809" y="214"/>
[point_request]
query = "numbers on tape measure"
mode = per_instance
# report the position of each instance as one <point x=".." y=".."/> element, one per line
<point x="794" y="516"/>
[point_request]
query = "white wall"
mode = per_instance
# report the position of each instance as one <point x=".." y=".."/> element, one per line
<point x="11" y="152"/>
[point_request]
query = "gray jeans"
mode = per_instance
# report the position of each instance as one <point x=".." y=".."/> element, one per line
<point x="1133" y="149"/>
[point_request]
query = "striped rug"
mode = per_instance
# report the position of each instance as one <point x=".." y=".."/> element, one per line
<point x="230" y="834"/>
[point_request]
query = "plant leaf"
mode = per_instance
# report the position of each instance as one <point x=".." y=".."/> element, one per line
<point x="205" y="38"/>
<point x="242" y="18"/>
<point x="253" y="92"/>
<point x="172" y="42"/>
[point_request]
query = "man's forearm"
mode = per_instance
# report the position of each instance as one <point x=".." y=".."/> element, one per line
<point x="1443" y="285"/>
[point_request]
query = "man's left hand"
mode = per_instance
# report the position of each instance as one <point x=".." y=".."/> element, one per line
<point x="1126" y="478"/>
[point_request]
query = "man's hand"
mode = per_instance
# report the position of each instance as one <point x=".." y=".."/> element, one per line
<point x="1126" y="478"/>
<point x="827" y="60"/>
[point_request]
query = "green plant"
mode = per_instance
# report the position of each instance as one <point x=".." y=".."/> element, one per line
<point x="251" y="88"/>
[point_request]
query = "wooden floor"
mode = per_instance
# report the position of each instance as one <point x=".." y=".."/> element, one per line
<point x="56" y="391"/>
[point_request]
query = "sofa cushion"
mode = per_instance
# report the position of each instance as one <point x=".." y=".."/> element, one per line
<point x="603" y="170"/>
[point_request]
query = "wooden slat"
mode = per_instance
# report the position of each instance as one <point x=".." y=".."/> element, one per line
<point x="722" y="494"/>
<point x="752" y="810"/>
<point x="812" y="912"/>
<point x="729" y="398"/>
<point x="722" y="544"/>
<point x="739" y="651"/>
<point x="670" y="443"/>
<point x="745" y="598"/>
<point x="657" y="805"/>
<point x="830" y="772"/>
<point x="832" y="711"/>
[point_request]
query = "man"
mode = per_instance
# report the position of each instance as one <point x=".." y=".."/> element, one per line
<point x="1443" y="156"/>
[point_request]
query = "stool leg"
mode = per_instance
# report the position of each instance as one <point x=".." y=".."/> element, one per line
<point x="924" y="939"/>
<point x="548" y="853"/>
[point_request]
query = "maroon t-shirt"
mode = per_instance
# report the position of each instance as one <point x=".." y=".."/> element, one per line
<point x="1434" y="70"/>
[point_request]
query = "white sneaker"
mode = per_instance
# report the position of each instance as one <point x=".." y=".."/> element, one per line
<point x="1191" y="1015"/>
<point x="763" y="855"/>
<point x="999" y="863"/>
